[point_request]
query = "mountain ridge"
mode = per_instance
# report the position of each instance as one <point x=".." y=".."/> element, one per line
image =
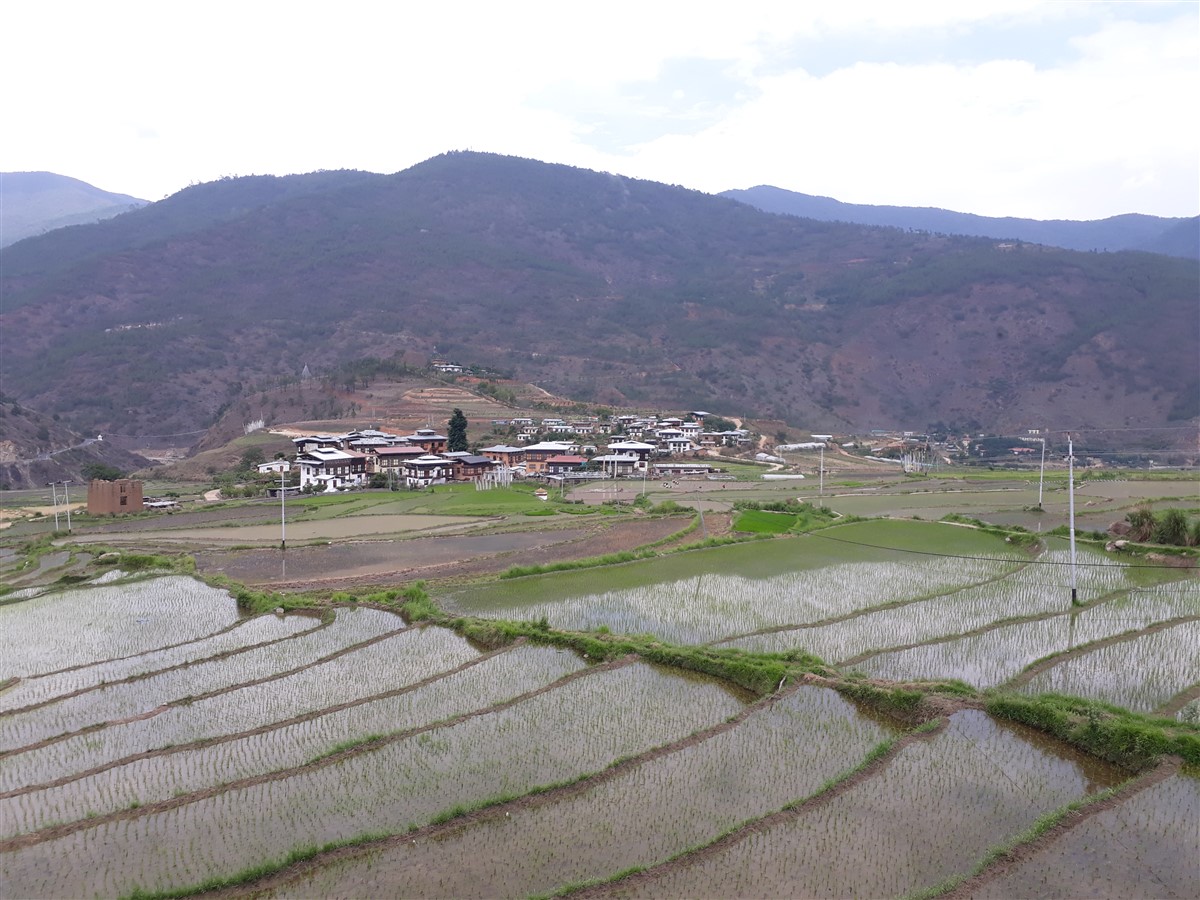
<point x="601" y="287"/>
<point x="1129" y="231"/>
<point x="33" y="203"/>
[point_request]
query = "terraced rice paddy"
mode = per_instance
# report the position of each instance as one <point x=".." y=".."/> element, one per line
<point x="244" y="635"/>
<point x="744" y="589"/>
<point x="108" y="623"/>
<point x="1141" y="674"/>
<point x="1144" y="847"/>
<point x="998" y="655"/>
<point x="504" y="751"/>
<point x="204" y="745"/>
<point x="975" y="783"/>
<point x="646" y="812"/>
<point x="246" y="753"/>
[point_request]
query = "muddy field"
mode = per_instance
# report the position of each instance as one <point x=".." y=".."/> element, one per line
<point x="298" y="532"/>
<point x="456" y="557"/>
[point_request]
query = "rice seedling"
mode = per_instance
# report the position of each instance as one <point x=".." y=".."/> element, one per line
<point x="1140" y="674"/>
<point x="185" y="769"/>
<point x="259" y="629"/>
<point x="972" y="784"/>
<point x="108" y="622"/>
<point x="123" y="701"/>
<point x="645" y="814"/>
<point x="989" y="659"/>
<point x="550" y="738"/>
<point x="1142" y="847"/>
<point x="708" y="607"/>
<point x="1027" y="591"/>
<point x="401" y="659"/>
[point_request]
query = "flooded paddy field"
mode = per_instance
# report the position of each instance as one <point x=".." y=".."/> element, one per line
<point x="1142" y="848"/>
<point x="108" y="622"/>
<point x="201" y="743"/>
<point x="930" y="814"/>
<point x="646" y="812"/>
<point x="710" y="595"/>
<point x="994" y="656"/>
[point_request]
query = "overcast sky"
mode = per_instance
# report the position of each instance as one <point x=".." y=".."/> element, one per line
<point x="1046" y="110"/>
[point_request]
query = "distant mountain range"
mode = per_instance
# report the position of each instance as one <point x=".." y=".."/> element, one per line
<point x="33" y="203"/>
<point x="608" y="289"/>
<point x="1152" y="234"/>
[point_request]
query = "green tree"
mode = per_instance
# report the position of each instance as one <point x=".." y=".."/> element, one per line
<point x="456" y="436"/>
<point x="719" y="423"/>
<point x="252" y="459"/>
<point x="101" y="472"/>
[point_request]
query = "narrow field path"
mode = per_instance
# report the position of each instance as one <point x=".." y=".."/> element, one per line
<point x="1179" y="701"/>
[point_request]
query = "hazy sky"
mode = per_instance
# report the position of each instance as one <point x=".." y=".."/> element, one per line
<point x="1046" y="110"/>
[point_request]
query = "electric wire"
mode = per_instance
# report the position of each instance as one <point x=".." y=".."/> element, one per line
<point x="1032" y="562"/>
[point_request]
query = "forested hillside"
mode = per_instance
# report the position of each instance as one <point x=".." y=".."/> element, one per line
<point x="596" y="286"/>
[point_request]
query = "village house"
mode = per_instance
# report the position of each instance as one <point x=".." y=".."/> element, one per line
<point x="428" y="439"/>
<point x="620" y="464"/>
<point x="329" y="469"/>
<point x="317" y="442"/>
<point x="537" y="454"/>
<point x="470" y="467"/>
<point x="683" y="468"/>
<point x="679" y="445"/>
<point x="426" y="470"/>
<point x="504" y="454"/>
<point x="110" y="498"/>
<point x="390" y="460"/>
<point x="639" y="450"/>
<point x="564" y="463"/>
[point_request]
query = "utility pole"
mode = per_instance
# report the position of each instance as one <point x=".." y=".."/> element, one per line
<point x="67" y="504"/>
<point x="1042" y="474"/>
<point x="1071" y="512"/>
<point x="54" y="494"/>
<point x="282" y="510"/>
<point x="821" y="485"/>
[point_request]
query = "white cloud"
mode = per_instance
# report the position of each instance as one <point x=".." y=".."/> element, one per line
<point x="144" y="97"/>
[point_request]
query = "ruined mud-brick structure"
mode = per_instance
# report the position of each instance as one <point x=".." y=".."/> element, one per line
<point x="111" y="498"/>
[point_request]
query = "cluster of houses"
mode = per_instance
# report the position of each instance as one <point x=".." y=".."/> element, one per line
<point x="418" y="460"/>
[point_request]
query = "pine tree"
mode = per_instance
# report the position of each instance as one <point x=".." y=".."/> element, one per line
<point x="457" y="434"/>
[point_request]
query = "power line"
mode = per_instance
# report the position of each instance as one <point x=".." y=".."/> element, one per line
<point x="1032" y="562"/>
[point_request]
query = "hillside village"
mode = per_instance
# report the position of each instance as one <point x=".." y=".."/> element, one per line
<point x="588" y="447"/>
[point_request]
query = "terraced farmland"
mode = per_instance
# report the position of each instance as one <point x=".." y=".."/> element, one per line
<point x="360" y="755"/>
